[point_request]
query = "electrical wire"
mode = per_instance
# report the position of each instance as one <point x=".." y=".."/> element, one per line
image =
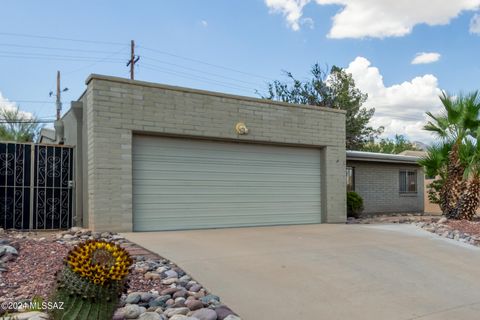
<point x="195" y="77"/>
<point x="51" y="48"/>
<point x="60" y="38"/>
<point x="198" y="70"/>
<point x="205" y="63"/>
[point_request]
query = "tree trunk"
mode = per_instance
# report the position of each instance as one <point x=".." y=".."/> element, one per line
<point x="468" y="204"/>
<point x="453" y="186"/>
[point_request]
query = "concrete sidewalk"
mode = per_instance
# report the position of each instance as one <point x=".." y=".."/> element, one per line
<point x="312" y="272"/>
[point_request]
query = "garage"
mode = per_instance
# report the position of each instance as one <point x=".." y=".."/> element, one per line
<point x="193" y="184"/>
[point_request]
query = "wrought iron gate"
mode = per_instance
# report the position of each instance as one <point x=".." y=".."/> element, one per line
<point x="36" y="186"/>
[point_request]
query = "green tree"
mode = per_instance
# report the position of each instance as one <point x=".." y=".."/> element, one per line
<point x="393" y="146"/>
<point x="456" y="126"/>
<point x="335" y="89"/>
<point x="16" y="126"/>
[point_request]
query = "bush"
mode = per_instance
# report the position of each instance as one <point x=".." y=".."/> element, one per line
<point x="354" y="204"/>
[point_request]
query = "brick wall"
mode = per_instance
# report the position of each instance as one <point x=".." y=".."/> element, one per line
<point x="378" y="184"/>
<point x="116" y="108"/>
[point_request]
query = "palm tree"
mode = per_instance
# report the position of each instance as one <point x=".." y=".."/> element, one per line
<point x="458" y="120"/>
<point x="435" y="164"/>
<point x="470" y="199"/>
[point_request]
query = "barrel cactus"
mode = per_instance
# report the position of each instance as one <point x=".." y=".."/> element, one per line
<point x="92" y="281"/>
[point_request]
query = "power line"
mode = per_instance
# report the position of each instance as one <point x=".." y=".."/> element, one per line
<point x="28" y="101"/>
<point x="195" y="77"/>
<point x="52" y="48"/>
<point x="201" y="71"/>
<point x="95" y="62"/>
<point x="205" y="63"/>
<point x="47" y="55"/>
<point x="59" y="38"/>
<point x="27" y="122"/>
<point x="57" y="58"/>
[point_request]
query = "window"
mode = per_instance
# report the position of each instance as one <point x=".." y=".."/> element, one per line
<point x="408" y="181"/>
<point x="350" y="179"/>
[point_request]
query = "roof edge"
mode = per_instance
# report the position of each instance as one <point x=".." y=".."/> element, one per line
<point x="204" y="92"/>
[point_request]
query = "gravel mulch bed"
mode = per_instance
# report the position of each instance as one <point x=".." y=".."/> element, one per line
<point x="158" y="289"/>
<point x="460" y="230"/>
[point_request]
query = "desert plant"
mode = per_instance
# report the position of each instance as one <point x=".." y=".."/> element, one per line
<point x="92" y="280"/>
<point x="454" y="125"/>
<point x="354" y="204"/>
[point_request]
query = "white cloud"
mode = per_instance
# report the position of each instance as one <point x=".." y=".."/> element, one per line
<point x="400" y="108"/>
<point x="475" y="24"/>
<point x="204" y="23"/>
<point x="292" y="10"/>
<point x="426" y="57"/>
<point x="6" y="104"/>
<point x="377" y="18"/>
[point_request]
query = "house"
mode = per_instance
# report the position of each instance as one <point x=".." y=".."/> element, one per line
<point x="388" y="183"/>
<point x="157" y="157"/>
<point x="47" y="136"/>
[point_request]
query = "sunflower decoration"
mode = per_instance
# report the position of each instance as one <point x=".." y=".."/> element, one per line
<point x="100" y="262"/>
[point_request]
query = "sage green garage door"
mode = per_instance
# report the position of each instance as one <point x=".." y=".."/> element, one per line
<point x="193" y="184"/>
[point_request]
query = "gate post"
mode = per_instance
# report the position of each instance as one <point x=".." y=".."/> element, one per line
<point x="32" y="183"/>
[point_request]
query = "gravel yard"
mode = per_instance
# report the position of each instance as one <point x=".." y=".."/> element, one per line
<point x="460" y="230"/>
<point x="158" y="289"/>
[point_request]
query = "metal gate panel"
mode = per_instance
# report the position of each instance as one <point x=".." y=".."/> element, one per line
<point x="52" y="190"/>
<point x="15" y="174"/>
<point x="36" y="186"/>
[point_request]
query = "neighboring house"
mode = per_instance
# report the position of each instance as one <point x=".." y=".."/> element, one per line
<point x="47" y="136"/>
<point x="157" y="157"/>
<point x="430" y="208"/>
<point x="388" y="183"/>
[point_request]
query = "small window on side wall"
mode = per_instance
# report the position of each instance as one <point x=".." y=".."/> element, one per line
<point x="350" y="179"/>
<point x="408" y="181"/>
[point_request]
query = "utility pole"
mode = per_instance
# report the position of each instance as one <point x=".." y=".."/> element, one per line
<point x="58" y="125"/>
<point x="59" y="97"/>
<point x="133" y="59"/>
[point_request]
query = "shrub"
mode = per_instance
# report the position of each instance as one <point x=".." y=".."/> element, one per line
<point x="354" y="204"/>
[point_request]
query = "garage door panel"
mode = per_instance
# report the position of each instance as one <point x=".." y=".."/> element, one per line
<point x="188" y="184"/>
<point x="153" y="167"/>
<point x="223" y="151"/>
<point x="172" y="223"/>
<point x="215" y="176"/>
<point x="188" y="191"/>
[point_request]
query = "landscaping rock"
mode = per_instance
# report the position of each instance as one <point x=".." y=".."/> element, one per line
<point x="33" y="315"/>
<point x="7" y="249"/>
<point x="169" y="291"/>
<point x="133" y="311"/>
<point x="169" y="281"/>
<point x="133" y="298"/>
<point x="159" y="301"/>
<point x="442" y="220"/>
<point x="205" y="314"/>
<point x="173" y="311"/>
<point x="151" y="276"/>
<point x="210" y="298"/>
<point x="150" y="316"/>
<point x="223" y="312"/>
<point x="171" y="274"/>
<point x="195" y="288"/>
<point x="194" y="304"/>
<point x="232" y="317"/>
<point x="182" y="317"/>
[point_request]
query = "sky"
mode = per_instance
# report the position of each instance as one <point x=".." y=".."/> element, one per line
<point x="401" y="53"/>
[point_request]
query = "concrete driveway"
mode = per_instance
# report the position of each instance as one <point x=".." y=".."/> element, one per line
<point x="329" y="271"/>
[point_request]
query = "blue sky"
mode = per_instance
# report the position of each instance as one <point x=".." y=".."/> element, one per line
<point x="236" y="46"/>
